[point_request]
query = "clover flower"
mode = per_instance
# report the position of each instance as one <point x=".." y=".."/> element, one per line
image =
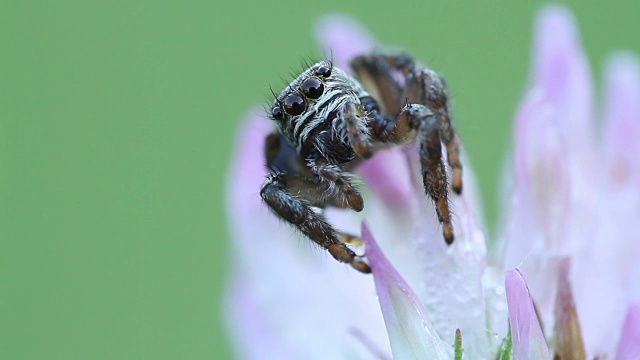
<point x="569" y="232"/>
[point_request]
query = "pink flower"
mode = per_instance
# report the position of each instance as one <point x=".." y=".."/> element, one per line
<point x="569" y="233"/>
<point x="577" y="193"/>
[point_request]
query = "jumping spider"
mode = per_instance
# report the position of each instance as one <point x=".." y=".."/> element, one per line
<point x="328" y="123"/>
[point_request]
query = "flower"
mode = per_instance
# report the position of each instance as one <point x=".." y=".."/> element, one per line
<point x="576" y="193"/>
<point x="568" y="233"/>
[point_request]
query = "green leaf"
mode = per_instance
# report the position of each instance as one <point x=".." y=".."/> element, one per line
<point x="457" y="346"/>
<point x="504" y="351"/>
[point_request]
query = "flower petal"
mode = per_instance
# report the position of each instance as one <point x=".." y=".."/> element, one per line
<point x="539" y="217"/>
<point x="629" y="345"/>
<point x="254" y="336"/>
<point x="342" y="37"/>
<point x="387" y="173"/>
<point x="622" y="119"/>
<point x="561" y="73"/>
<point x="526" y="334"/>
<point x="605" y="272"/>
<point x="451" y="288"/>
<point x="555" y="161"/>
<point x="283" y="286"/>
<point x="447" y="279"/>
<point x="567" y="337"/>
<point x="411" y="333"/>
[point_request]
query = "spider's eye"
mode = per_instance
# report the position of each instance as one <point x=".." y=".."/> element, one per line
<point x="276" y="112"/>
<point x="323" y="71"/>
<point x="312" y="87"/>
<point x="294" y="104"/>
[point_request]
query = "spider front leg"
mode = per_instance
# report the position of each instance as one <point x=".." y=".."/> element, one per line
<point x="425" y="86"/>
<point x="299" y="213"/>
<point x="419" y="120"/>
<point x="422" y="86"/>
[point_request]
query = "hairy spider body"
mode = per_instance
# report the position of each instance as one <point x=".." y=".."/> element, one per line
<point x="329" y="121"/>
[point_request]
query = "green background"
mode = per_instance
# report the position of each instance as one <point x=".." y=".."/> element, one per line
<point x="117" y="120"/>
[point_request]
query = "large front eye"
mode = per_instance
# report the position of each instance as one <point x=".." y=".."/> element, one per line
<point x="294" y="104"/>
<point x="312" y="88"/>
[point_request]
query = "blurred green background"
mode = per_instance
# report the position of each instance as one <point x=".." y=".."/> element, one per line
<point x="117" y="121"/>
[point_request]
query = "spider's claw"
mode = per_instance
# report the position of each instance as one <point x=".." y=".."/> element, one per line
<point x="361" y="266"/>
<point x="343" y="254"/>
<point x="355" y="201"/>
<point x="447" y="232"/>
<point x="457" y="182"/>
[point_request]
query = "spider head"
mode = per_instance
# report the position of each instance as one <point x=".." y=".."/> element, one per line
<point x="302" y="91"/>
<point x="313" y="99"/>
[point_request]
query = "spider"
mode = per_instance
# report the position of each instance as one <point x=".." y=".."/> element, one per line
<point x="328" y="122"/>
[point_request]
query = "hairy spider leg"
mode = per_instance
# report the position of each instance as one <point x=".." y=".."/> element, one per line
<point x="423" y="86"/>
<point x="300" y="214"/>
<point x="357" y="134"/>
<point x="338" y="180"/>
<point x="294" y="187"/>
<point x="422" y="90"/>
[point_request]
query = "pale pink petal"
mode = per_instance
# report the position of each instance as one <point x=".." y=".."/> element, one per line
<point x="622" y="119"/>
<point x="342" y="37"/>
<point x="629" y="345"/>
<point x="410" y="331"/>
<point x="451" y="288"/>
<point x="607" y="270"/>
<point x="312" y="306"/>
<point x="561" y="73"/>
<point x="526" y="334"/>
<point x="539" y="211"/>
<point x="387" y="174"/>
<point x="447" y="279"/>
<point x="254" y="335"/>
<point x="569" y="199"/>
<point x="550" y="217"/>
<point x="561" y="79"/>
<point x="248" y="167"/>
